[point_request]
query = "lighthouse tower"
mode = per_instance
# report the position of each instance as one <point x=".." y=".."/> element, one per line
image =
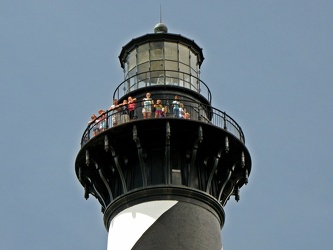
<point x="164" y="166"/>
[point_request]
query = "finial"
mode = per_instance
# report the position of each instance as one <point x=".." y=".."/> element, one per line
<point x="160" y="27"/>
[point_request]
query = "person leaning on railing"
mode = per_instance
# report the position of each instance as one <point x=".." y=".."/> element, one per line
<point x="114" y="112"/>
<point x="131" y="107"/>
<point x="93" y="120"/>
<point x="102" y="120"/>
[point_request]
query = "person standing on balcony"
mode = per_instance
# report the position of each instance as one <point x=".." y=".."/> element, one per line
<point x="175" y="105"/>
<point x="131" y="107"/>
<point x="182" y="111"/>
<point x="102" y="120"/>
<point x="114" y="113"/>
<point x="125" y="112"/>
<point x="92" y="123"/>
<point x="165" y="111"/>
<point x="158" y="109"/>
<point x="147" y="102"/>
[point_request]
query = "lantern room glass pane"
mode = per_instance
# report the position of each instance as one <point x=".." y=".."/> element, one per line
<point x="156" y="50"/>
<point x="157" y="70"/>
<point x="157" y="65"/>
<point x="184" y="68"/>
<point x="195" y="84"/>
<point x="184" y="54"/>
<point x="144" y="67"/>
<point x="171" y="66"/>
<point x="131" y="60"/>
<point x="194" y="62"/>
<point x="142" y="71"/>
<point x="171" y="51"/>
<point x="143" y="53"/>
<point x="194" y="73"/>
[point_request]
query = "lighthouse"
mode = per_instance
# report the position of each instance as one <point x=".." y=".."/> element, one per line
<point x="162" y="161"/>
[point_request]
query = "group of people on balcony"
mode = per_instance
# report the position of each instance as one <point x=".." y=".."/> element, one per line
<point x="149" y="107"/>
<point x="126" y="111"/>
<point x="123" y="112"/>
<point x="161" y="110"/>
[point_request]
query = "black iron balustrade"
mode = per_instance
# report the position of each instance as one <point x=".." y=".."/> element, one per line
<point x="197" y="111"/>
<point x="165" y="77"/>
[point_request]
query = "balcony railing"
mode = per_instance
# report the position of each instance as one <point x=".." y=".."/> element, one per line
<point x="163" y="77"/>
<point x="192" y="110"/>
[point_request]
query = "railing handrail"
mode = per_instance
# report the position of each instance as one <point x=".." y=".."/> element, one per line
<point x="199" y="112"/>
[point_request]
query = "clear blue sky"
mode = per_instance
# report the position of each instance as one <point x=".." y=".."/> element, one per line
<point x="269" y="64"/>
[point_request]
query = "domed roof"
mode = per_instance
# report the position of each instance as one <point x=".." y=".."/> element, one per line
<point x="160" y="28"/>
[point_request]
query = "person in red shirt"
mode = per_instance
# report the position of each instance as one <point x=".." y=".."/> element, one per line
<point x="131" y="107"/>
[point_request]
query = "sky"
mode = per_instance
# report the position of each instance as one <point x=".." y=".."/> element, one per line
<point x="268" y="64"/>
